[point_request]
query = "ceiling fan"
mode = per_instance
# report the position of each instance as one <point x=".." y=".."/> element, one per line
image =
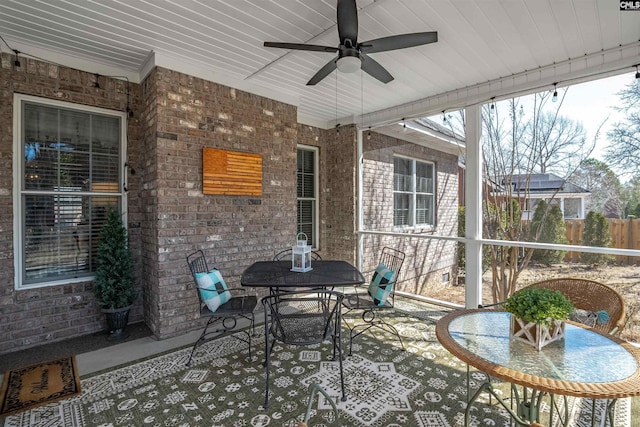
<point x="352" y="55"/>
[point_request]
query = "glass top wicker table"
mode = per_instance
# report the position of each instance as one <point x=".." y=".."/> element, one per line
<point x="584" y="364"/>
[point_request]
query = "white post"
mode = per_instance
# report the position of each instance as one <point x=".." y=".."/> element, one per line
<point x="473" y="212"/>
<point x="360" y="219"/>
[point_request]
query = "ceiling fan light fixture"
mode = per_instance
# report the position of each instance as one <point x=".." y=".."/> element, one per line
<point x="348" y="64"/>
<point x="352" y="54"/>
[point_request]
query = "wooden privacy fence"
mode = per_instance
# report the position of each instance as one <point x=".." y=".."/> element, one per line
<point x="625" y="234"/>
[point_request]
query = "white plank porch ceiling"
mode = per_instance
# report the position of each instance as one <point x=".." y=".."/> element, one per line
<point x="486" y="48"/>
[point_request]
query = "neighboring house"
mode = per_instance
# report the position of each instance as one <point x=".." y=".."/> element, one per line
<point x="71" y="149"/>
<point x="533" y="188"/>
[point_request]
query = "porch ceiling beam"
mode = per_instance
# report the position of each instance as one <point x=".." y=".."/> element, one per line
<point x="572" y="71"/>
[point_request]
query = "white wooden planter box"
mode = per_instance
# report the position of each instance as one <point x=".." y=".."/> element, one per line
<point x="536" y="335"/>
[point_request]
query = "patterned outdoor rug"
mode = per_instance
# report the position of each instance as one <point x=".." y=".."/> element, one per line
<point x="38" y="384"/>
<point x="424" y="386"/>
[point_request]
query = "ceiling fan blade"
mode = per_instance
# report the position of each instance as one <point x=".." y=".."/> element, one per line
<point x="371" y="67"/>
<point x="324" y="72"/>
<point x="398" y="42"/>
<point x="301" y="46"/>
<point x="348" y="21"/>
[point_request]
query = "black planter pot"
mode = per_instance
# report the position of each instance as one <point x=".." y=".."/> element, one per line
<point x="117" y="319"/>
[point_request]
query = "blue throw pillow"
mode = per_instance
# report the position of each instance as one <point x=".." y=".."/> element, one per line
<point x="381" y="284"/>
<point x="213" y="289"/>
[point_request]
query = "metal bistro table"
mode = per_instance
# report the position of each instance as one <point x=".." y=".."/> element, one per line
<point x="584" y="364"/>
<point x="278" y="275"/>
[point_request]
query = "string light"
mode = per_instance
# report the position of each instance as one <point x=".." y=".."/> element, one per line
<point x="369" y="133"/>
<point x="555" y="93"/>
<point x="96" y="84"/>
<point x="444" y="117"/>
<point x="637" y="75"/>
<point x="492" y="108"/>
<point x="17" y="61"/>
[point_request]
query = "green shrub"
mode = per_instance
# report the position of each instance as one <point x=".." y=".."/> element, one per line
<point x="548" y="225"/>
<point x="539" y="305"/>
<point x="596" y="233"/>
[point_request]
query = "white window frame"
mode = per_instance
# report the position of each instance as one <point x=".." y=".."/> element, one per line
<point x="18" y="174"/>
<point x="413" y="193"/>
<point x="316" y="186"/>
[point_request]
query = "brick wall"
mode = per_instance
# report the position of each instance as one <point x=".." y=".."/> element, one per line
<point x="174" y="117"/>
<point x="426" y="259"/>
<point x="233" y="231"/>
<point x="337" y="152"/>
<point x="32" y="317"/>
<point x="147" y="171"/>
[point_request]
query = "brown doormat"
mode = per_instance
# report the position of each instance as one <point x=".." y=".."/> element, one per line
<point x="36" y="385"/>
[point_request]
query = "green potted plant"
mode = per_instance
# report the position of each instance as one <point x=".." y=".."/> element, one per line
<point x="114" y="281"/>
<point x="538" y="315"/>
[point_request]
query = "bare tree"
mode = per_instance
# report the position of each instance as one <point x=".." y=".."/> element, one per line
<point x="624" y="150"/>
<point x="517" y="144"/>
<point x="521" y="136"/>
<point x="603" y="183"/>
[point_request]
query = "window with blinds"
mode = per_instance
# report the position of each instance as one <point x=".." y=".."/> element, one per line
<point x="413" y="192"/>
<point x="307" y="194"/>
<point x="69" y="168"/>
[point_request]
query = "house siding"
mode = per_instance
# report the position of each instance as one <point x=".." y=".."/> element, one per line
<point x="174" y="117"/>
<point x="427" y="260"/>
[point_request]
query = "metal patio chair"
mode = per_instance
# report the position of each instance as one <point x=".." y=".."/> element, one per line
<point x="303" y="318"/>
<point x="226" y="314"/>
<point x="371" y="309"/>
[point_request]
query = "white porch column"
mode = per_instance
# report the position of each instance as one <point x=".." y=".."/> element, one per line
<point x="473" y="211"/>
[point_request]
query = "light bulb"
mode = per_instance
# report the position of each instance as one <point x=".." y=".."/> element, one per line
<point x="348" y="64"/>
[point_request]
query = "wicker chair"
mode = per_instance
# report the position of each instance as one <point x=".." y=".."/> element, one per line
<point x="592" y="296"/>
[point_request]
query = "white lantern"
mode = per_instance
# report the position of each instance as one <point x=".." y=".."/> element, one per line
<point x="301" y="254"/>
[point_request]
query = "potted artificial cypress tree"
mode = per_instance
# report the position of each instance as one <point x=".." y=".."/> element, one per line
<point x="114" y="281"/>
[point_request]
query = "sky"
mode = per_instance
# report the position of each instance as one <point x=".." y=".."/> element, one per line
<point x="592" y="102"/>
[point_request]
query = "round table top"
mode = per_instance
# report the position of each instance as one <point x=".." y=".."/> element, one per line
<point x="585" y="363"/>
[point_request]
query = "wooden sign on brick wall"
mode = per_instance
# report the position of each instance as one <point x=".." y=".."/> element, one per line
<point x="231" y="173"/>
